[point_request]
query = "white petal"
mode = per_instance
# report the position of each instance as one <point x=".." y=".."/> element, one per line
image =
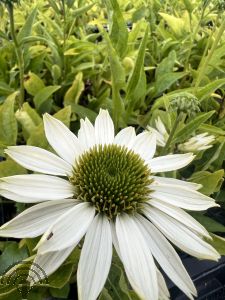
<point x="163" y="290"/>
<point x="86" y="134"/>
<point x="95" y="259"/>
<point x="182" y="197"/>
<point x="181" y="216"/>
<point x="35" y="220"/>
<point x="39" y="160"/>
<point x="180" y="235"/>
<point x="167" y="257"/>
<point x="104" y="128"/>
<point x="115" y="239"/>
<point x="145" y="145"/>
<point x="18" y="198"/>
<point x="175" y="182"/>
<point x="62" y="140"/>
<point x="68" y="229"/>
<point x="125" y="137"/>
<point x="136" y="257"/>
<point x="41" y="187"/>
<point x="170" y="162"/>
<point x="160" y="140"/>
<point x="160" y="126"/>
<point x="46" y="264"/>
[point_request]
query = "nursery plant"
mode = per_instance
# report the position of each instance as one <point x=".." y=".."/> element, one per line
<point x="112" y="145"/>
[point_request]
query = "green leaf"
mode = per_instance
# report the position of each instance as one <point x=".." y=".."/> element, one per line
<point x="176" y="24"/>
<point x="105" y="295"/>
<point x="74" y="257"/>
<point x="64" y="115"/>
<point x="82" y="10"/>
<point x="74" y="92"/>
<point x="214" y="156"/>
<point x="16" y="280"/>
<point x="8" y="123"/>
<point x="42" y="97"/>
<point x="61" y="293"/>
<point x="54" y="6"/>
<point x="139" y="13"/>
<point x="137" y="72"/>
<point x="9" y="167"/>
<point x="118" y="28"/>
<point x="83" y="112"/>
<point x="134" y="296"/>
<point x="9" y="292"/>
<point x="3" y="35"/>
<point x="5" y="89"/>
<point x="211" y="182"/>
<point x="36" y="294"/>
<point x="29" y="119"/>
<point x="212" y="129"/>
<point x="61" y="276"/>
<point x="206" y="91"/>
<point x="165" y="81"/>
<point x="10" y="256"/>
<point x="189" y="5"/>
<point x="139" y="93"/>
<point x="190" y="127"/>
<point x="30" y="243"/>
<point x="33" y="83"/>
<point x="118" y="74"/>
<point x="116" y="285"/>
<point x="118" y="80"/>
<point x="38" y="139"/>
<point x="210" y="224"/>
<point x="218" y="243"/>
<point x="25" y="31"/>
<point x="166" y="65"/>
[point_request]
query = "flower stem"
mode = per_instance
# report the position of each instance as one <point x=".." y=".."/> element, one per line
<point x="172" y="132"/>
<point x="18" y="51"/>
<point x="64" y="16"/>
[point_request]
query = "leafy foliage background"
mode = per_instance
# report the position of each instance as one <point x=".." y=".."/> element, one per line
<point x="70" y="58"/>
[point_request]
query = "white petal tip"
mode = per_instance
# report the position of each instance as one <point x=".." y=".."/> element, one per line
<point x="191" y="155"/>
<point x="216" y="257"/>
<point x="198" y="186"/>
<point x="48" y="117"/>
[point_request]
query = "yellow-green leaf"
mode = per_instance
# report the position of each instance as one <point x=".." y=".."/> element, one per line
<point x="211" y="182"/>
<point x="28" y="118"/>
<point x="42" y="97"/>
<point x="218" y="243"/>
<point x="74" y="92"/>
<point x="177" y="25"/>
<point x="33" y="83"/>
<point x="8" y="123"/>
<point x="9" y="167"/>
<point x="38" y="139"/>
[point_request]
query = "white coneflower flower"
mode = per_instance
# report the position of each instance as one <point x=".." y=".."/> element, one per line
<point x="107" y="192"/>
<point x="160" y="131"/>
<point x="197" y="143"/>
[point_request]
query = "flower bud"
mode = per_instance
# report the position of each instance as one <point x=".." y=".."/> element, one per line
<point x="185" y="103"/>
